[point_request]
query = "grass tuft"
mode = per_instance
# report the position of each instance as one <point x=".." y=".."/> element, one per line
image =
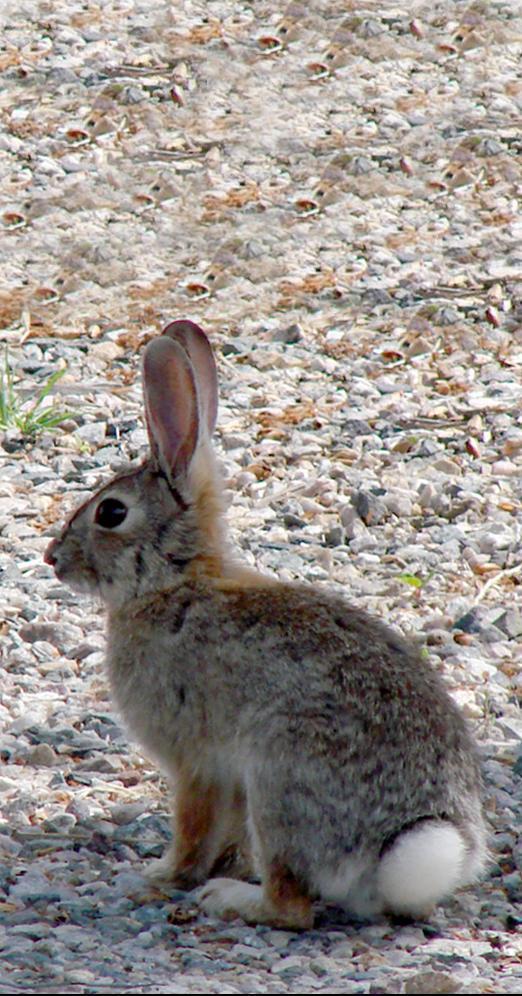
<point x="29" y="417"/>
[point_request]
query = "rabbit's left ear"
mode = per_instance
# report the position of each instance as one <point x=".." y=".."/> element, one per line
<point x="171" y="406"/>
<point x="199" y="350"/>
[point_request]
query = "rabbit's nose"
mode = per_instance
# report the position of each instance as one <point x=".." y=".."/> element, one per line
<point x="49" y="555"/>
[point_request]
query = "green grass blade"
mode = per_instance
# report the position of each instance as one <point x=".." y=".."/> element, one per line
<point x="32" y="418"/>
<point x="46" y="389"/>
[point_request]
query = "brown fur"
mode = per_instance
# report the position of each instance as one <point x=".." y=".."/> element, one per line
<point x="288" y="898"/>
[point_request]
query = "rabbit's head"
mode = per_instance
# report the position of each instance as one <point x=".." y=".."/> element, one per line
<point x="140" y="531"/>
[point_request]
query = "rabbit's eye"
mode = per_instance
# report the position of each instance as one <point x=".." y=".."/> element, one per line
<point x="110" y="513"/>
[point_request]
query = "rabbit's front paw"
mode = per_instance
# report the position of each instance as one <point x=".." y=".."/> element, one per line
<point x="160" y="870"/>
<point x="166" y="870"/>
<point x="227" y="899"/>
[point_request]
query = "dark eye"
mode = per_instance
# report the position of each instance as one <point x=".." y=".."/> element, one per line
<point x="110" y="513"/>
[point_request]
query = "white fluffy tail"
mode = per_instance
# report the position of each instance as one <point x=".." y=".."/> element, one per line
<point x="422" y="867"/>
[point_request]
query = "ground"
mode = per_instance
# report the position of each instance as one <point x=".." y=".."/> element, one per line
<point x="333" y="192"/>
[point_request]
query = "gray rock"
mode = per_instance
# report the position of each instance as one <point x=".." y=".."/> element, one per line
<point x="42" y="755"/>
<point x="369" y="507"/>
<point x="509" y="622"/>
<point x="60" y="635"/>
<point x="336" y="536"/>
<point x="432" y="983"/>
<point x="60" y="823"/>
<point x="92" y="432"/>
<point x="292" y="521"/>
<point x="289" y="335"/>
<point x="234" y="441"/>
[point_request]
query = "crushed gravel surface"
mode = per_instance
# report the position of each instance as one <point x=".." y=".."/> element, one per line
<point x="333" y="191"/>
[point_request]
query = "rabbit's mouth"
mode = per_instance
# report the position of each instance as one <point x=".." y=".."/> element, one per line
<point x="51" y="557"/>
<point x="83" y="579"/>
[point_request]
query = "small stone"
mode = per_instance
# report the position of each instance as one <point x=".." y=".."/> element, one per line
<point x="432" y="983"/>
<point x="510" y="622"/>
<point x="293" y="521"/>
<point x="322" y="966"/>
<point x="132" y="95"/>
<point x="437" y="637"/>
<point x="354" y="427"/>
<point x="234" y="441"/>
<point x="505" y="468"/>
<point x="59" y="635"/>
<point x="428" y="496"/>
<point x="108" y="765"/>
<point x="400" y="505"/>
<point x="363" y="541"/>
<point x="445" y="465"/>
<point x="290" y="966"/>
<point x="107" y="349"/>
<point x="512" y="445"/>
<point x="83" y="650"/>
<point x="266" y="359"/>
<point x="79" y="977"/>
<point x="472" y="621"/>
<point x="494" y="539"/>
<point x="369" y="508"/>
<point x="35" y="931"/>
<point x="60" y="823"/>
<point x="92" y="432"/>
<point x="12" y="440"/>
<point x="244" y="480"/>
<point x="236" y="348"/>
<point x="289" y="335"/>
<point x="336" y="536"/>
<point x="126" y="812"/>
<point x="41" y="756"/>
<point x="279" y="938"/>
<point x="489" y="147"/>
<point x="389" y="385"/>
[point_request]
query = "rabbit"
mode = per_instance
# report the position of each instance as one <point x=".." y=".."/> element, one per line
<point x="315" y="755"/>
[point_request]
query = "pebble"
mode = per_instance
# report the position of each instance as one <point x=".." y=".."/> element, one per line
<point x="432" y="983"/>
<point x="41" y="756"/>
<point x="59" y="635"/>
<point x="92" y="432"/>
<point x="289" y="335"/>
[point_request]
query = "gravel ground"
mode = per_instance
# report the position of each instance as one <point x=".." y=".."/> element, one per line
<point x="333" y="191"/>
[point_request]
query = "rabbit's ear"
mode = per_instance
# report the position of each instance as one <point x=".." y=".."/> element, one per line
<point x="196" y="344"/>
<point x="171" y="405"/>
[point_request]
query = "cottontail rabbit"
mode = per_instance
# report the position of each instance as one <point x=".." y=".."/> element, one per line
<point x="288" y="720"/>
